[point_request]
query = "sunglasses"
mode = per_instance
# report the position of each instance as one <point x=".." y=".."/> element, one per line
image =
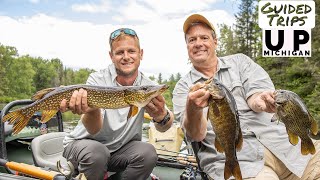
<point x="117" y="32"/>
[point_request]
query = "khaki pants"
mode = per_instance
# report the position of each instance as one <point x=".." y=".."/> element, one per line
<point x="274" y="169"/>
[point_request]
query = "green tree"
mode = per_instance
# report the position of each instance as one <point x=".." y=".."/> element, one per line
<point x="46" y="73"/>
<point x="160" y="80"/>
<point x="7" y="55"/>
<point x="152" y="78"/>
<point x="58" y="66"/>
<point x="245" y="21"/>
<point x="69" y="77"/>
<point x="178" y="77"/>
<point x="227" y="44"/>
<point x="81" y="76"/>
<point x="20" y="76"/>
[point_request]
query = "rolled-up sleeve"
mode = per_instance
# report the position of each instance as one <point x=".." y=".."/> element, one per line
<point x="254" y="78"/>
<point x="180" y="94"/>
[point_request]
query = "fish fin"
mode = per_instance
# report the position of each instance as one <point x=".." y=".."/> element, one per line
<point x="38" y="95"/>
<point x="314" y="126"/>
<point x="239" y="141"/>
<point x="47" y="115"/>
<point x="218" y="146"/>
<point x="274" y="117"/>
<point x="147" y="116"/>
<point x="307" y="147"/>
<point x="19" y="118"/>
<point x="232" y="168"/>
<point x="293" y="139"/>
<point x="133" y="111"/>
<point x="227" y="170"/>
<point x="209" y="80"/>
<point x="215" y="109"/>
<point x="196" y="87"/>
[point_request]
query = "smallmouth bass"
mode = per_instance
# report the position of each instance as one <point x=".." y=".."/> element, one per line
<point x="291" y="110"/>
<point x="224" y="118"/>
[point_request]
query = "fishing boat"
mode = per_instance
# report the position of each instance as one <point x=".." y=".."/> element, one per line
<point x="36" y="152"/>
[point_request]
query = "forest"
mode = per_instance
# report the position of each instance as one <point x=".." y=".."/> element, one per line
<point x="21" y="76"/>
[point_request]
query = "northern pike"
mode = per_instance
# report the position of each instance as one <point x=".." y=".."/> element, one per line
<point x="48" y="101"/>
<point x="291" y="110"/>
<point x="224" y="118"/>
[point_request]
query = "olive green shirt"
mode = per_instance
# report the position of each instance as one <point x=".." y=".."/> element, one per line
<point x="243" y="77"/>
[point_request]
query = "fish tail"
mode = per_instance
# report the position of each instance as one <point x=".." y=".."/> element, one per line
<point x="232" y="168"/>
<point x="19" y="118"/>
<point x="314" y="127"/>
<point x="47" y="115"/>
<point x="239" y="141"/>
<point x="307" y="147"/>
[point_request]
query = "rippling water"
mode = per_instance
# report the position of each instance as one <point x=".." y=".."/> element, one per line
<point x="70" y="120"/>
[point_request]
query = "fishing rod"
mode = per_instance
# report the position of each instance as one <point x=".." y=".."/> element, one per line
<point x="171" y="164"/>
<point x="185" y="154"/>
<point x="185" y="158"/>
<point x="178" y="161"/>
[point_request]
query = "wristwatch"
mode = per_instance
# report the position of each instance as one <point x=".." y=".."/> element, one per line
<point x="164" y="120"/>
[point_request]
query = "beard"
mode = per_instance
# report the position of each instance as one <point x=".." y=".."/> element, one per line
<point x="125" y="73"/>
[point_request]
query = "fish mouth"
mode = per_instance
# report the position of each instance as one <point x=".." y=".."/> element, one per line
<point x="163" y="88"/>
<point x="277" y="97"/>
<point x="216" y="96"/>
<point x="158" y="90"/>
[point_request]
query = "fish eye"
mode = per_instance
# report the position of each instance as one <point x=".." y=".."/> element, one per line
<point x="144" y="88"/>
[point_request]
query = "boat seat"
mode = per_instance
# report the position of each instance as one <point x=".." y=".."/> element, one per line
<point x="47" y="149"/>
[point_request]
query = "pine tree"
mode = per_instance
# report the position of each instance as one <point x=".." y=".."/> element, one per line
<point x="160" y="80"/>
<point x="245" y="21"/>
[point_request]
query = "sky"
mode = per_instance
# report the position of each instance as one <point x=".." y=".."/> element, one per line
<point x="77" y="31"/>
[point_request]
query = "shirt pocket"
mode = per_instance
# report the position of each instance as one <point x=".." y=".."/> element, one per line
<point x="251" y="151"/>
<point x="237" y="90"/>
<point x="234" y="85"/>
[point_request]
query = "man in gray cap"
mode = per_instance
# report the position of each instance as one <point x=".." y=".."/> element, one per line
<point x="266" y="152"/>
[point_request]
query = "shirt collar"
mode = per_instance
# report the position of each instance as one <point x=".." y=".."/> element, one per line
<point x="197" y="76"/>
<point x="114" y="75"/>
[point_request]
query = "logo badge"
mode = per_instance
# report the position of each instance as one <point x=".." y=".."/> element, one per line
<point x="286" y="28"/>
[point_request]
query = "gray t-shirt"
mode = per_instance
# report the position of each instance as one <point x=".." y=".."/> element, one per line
<point x="116" y="130"/>
<point x="243" y="77"/>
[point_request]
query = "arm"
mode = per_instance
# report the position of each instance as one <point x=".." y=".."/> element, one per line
<point x="257" y="85"/>
<point x="194" y="121"/>
<point x="156" y="109"/>
<point x="91" y="117"/>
